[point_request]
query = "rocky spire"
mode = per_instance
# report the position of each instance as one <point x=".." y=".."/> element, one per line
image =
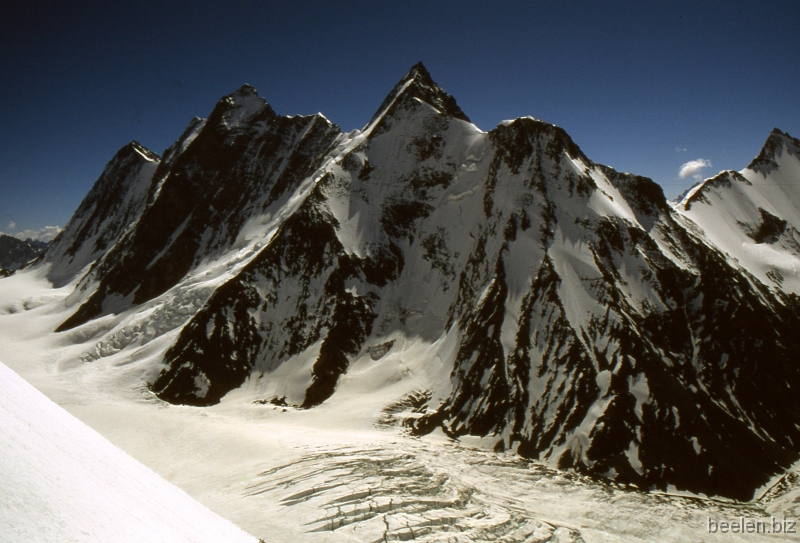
<point x="417" y="83"/>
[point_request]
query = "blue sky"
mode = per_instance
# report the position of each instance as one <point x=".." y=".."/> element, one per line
<point x="642" y="86"/>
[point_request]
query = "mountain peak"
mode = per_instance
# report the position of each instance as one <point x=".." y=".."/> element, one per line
<point x="777" y="141"/>
<point x="246" y="90"/>
<point x="241" y="107"/>
<point x="417" y="83"/>
<point x="419" y="69"/>
<point x="246" y="94"/>
<point x="146" y="153"/>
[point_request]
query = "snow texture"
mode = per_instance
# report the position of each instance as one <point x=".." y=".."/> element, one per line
<point x="62" y="481"/>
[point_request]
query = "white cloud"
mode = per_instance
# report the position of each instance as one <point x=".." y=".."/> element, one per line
<point x="43" y="234"/>
<point x="693" y="168"/>
<point x="681" y="149"/>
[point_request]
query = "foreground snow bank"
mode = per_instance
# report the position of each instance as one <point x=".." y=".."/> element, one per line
<point x="62" y="481"/>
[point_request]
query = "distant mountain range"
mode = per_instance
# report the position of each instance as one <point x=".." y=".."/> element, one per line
<point x="15" y="253"/>
<point x="562" y="309"/>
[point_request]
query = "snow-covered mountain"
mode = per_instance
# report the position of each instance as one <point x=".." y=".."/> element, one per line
<point x="15" y="253"/>
<point x="514" y="289"/>
<point x="62" y="481"/>
<point x="754" y="215"/>
<point x="115" y="202"/>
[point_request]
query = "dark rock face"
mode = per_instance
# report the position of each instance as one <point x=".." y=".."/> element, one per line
<point x="596" y="327"/>
<point x="15" y="253"/>
<point x="770" y="228"/>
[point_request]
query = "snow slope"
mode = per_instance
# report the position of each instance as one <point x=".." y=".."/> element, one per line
<point x="62" y="481"/>
<point x="754" y="214"/>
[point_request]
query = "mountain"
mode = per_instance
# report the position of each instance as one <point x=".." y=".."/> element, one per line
<point x="241" y="164"/>
<point x="113" y="204"/>
<point x="754" y="215"/>
<point x="555" y="306"/>
<point x="62" y="481"/>
<point x="15" y="253"/>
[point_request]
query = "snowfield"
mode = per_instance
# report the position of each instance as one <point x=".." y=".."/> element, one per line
<point x="62" y="481"/>
<point x="343" y="471"/>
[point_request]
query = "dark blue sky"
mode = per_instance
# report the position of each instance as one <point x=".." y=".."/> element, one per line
<point x="641" y="86"/>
